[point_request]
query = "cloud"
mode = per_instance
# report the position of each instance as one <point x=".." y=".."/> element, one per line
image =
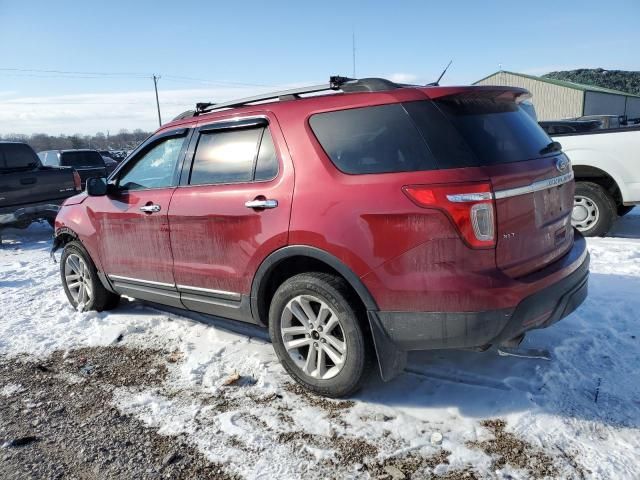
<point x="403" y="77"/>
<point x="91" y="113"/>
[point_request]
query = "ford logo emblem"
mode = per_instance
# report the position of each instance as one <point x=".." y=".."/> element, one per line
<point x="562" y="164"/>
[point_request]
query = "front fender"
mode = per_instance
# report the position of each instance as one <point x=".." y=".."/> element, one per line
<point x="73" y="221"/>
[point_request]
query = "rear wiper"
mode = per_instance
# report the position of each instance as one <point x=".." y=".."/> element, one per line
<point x="552" y="147"/>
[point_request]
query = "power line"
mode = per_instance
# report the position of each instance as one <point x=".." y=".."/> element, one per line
<point x="39" y="73"/>
<point x="65" y="72"/>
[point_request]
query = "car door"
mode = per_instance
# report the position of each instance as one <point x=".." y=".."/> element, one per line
<point x="230" y="211"/>
<point x="132" y="224"/>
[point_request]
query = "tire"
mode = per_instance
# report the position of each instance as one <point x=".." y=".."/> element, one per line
<point x="80" y="281"/>
<point x="624" y="209"/>
<point x="594" y="210"/>
<point x="345" y="346"/>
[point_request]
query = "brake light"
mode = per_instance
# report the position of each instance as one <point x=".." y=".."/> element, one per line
<point x="76" y="181"/>
<point x="470" y="206"/>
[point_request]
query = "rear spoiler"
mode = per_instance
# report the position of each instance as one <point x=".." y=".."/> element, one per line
<point x="514" y="94"/>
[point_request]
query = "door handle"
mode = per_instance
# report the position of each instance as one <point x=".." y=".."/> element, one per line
<point x="261" y="203"/>
<point x="28" y="181"/>
<point x="153" y="208"/>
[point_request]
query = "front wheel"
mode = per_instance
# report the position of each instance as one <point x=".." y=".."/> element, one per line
<point x="594" y="211"/>
<point x="317" y="335"/>
<point x="80" y="280"/>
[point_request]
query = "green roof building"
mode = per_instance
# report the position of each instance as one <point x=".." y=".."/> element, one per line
<point x="557" y="99"/>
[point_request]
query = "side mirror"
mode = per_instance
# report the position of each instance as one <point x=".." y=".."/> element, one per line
<point x="96" y="186"/>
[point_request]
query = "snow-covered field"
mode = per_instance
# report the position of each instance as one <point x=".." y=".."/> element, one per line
<point x="581" y="409"/>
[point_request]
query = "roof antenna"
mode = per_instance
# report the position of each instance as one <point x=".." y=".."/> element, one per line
<point x="437" y="82"/>
<point x="353" y="46"/>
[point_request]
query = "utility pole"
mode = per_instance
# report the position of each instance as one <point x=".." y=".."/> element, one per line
<point x="155" y="85"/>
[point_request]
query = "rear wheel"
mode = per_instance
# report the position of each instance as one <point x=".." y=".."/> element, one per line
<point x="317" y="335"/>
<point x="80" y="280"/>
<point x="594" y="211"/>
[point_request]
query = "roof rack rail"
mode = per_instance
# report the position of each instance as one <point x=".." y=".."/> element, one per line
<point x="336" y="82"/>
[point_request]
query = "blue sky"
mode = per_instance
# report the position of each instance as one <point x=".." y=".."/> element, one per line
<point x="226" y="49"/>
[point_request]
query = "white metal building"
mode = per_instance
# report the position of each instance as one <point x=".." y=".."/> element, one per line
<point x="557" y="99"/>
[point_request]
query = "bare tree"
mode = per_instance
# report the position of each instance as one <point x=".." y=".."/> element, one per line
<point x="123" y="140"/>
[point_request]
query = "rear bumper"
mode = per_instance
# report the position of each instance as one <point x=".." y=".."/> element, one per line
<point x="23" y="216"/>
<point x="396" y="332"/>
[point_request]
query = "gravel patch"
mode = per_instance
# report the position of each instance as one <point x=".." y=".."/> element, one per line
<point x="507" y="449"/>
<point x="61" y="424"/>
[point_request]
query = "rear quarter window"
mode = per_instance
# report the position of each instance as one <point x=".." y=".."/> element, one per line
<point x="17" y="155"/>
<point x="379" y="139"/>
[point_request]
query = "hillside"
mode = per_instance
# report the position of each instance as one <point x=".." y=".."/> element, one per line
<point x="622" y="80"/>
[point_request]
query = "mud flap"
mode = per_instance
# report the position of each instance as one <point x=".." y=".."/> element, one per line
<point x="391" y="359"/>
<point x="57" y="243"/>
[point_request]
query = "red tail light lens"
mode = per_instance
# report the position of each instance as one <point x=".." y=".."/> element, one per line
<point x="76" y="181"/>
<point x="470" y="207"/>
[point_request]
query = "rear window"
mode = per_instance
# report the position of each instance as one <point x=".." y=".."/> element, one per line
<point x="17" y="155"/>
<point x="82" y="159"/>
<point x="497" y="131"/>
<point x="427" y="135"/>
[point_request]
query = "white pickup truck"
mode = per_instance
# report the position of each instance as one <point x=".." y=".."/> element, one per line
<point x="606" y="164"/>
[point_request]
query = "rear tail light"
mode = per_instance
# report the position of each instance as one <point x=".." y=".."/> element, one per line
<point x="470" y="207"/>
<point x="76" y="181"/>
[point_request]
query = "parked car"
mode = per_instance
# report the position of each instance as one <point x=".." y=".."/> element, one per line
<point x="109" y="163"/>
<point x="112" y="154"/>
<point x="88" y="163"/>
<point x="30" y="191"/>
<point x="559" y="127"/>
<point x="606" y="164"/>
<point x="117" y="155"/>
<point x="606" y="121"/>
<point x="354" y="226"/>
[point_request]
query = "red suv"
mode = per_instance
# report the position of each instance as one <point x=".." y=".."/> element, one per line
<point x="356" y="225"/>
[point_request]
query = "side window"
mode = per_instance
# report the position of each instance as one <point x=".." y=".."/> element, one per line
<point x="234" y="156"/>
<point x="51" y="158"/>
<point x="377" y="139"/>
<point x="154" y="169"/>
<point x="267" y="164"/>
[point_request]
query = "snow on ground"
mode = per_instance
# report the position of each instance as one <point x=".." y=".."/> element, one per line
<point x="582" y="407"/>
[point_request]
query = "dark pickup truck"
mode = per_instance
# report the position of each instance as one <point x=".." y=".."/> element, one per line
<point x="30" y="191"/>
<point x="88" y="163"/>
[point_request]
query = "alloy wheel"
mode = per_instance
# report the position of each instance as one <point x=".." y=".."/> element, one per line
<point x="314" y="337"/>
<point x="78" y="279"/>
